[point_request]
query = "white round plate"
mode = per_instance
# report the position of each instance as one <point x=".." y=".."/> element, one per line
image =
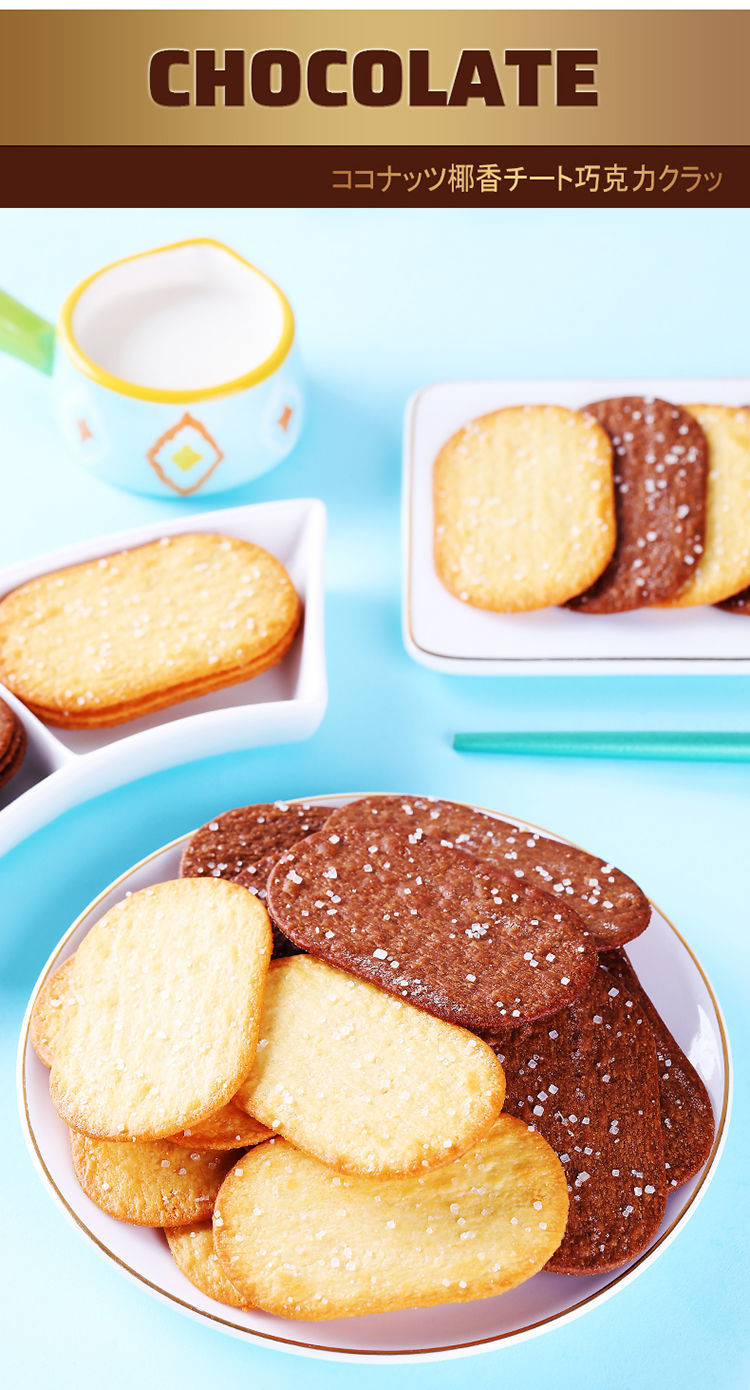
<point x="678" y="985"/>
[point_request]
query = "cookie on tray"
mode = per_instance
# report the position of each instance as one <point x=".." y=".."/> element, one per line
<point x="660" y="472"/>
<point x="112" y="639"/>
<point x="524" y="508"/>
<point x="722" y="570"/>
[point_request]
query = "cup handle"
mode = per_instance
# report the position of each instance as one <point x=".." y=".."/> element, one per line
<point x="25" y="335"/>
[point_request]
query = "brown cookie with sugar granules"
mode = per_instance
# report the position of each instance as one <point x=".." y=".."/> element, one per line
<point x="12" y="742"/>
<point x="455" y="936"/>
<point x="244" y="845"/>
<point x="686" y="1114"/>
<point x="738" y="603"/>
<point x="611" y="906"/>
<point x="248" y="839"/>
<point x="588" y="1081"/>
<point x="660" y="475"/>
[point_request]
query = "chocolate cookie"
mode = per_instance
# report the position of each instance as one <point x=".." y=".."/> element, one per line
<point x="455" y="936"/>
<point x="12" y="742"/>
<point x="686" y="1114"/>
<point x="739" y="603"/>
<point x="244" y="845"/>
<point x="587" y="1080"/>
<point x="611" y="906"/>
<point x="248" y="839"/>
<point x="660" y="475"/>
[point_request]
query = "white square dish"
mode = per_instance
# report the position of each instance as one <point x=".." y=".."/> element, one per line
<point x="63" y="767"/>
<point x="445" y="634"/>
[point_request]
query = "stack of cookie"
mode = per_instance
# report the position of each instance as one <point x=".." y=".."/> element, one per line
<point x="629" y="503"/>
<point x="447" y="1078"/>
<point x="116" y="638"/>
<point x="12" y="742"/>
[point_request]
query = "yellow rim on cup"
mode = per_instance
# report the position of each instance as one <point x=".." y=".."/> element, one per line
<point x="91" y="369"/>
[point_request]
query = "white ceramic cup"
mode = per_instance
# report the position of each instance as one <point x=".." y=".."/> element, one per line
<point x="174" y="371"/>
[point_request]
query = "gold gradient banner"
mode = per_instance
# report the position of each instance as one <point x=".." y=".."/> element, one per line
<point x="80" y="77"/>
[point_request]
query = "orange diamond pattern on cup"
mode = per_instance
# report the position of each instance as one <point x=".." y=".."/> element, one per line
<point x="185" y="456"/>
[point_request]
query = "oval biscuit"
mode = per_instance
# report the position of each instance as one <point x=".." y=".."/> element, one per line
<point x="149" y="1183"/>
<point x="47" y="1013"/>
<point x="229" y="1128"/>
<point x="352" y="1245"/>
<point x="168" y="989"/>
<point x="366" y="1083"/>
<point x="193" y="1252"/>
<point x="722" y="567"/>
<point x="113" y="638"/>
<point x="524" y="508"/>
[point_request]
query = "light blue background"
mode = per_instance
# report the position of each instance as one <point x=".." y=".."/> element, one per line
<point x="387" y="301"/>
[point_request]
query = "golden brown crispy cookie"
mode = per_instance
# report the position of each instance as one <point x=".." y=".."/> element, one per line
<point x="686" y="1114"/>
<point x="46" y="1016"/>
<point x="452" y="934"/>
<point x="168" y="990"/>
<point x="244" y="845"/>
<point x="723" y="569"/>
<point x="149" y="1184"/>
<point x="660" y="473"/>
<point x="353" y="1245"/>
<point x="587" y="1079"/>
<point x="12" y="742"/>
<point x="611" y="906"/>
<point x="229" y="1128"/>
<point x="194" y="1255"/>
<point x="126" y="712"/>
<point x="364" y="1082"/>
<point x="112" y="639"/>
<point x="524" y="511"/>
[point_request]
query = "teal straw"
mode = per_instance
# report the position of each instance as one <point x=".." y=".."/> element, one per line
<point x="659" y="744"/>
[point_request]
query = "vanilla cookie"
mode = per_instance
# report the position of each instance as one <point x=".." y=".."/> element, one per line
<point x="349" y="1245"/>
<point x="168" y="988"/>
<point x="46" y="1015"/>
<point x="193" y="1252"/>
<point x="524" y="508"/>
<point x="149" y="1184"/>
<point x="115" y="638"/>
<point x="229" y="1128"/>
<point x="722" y="569"/>
<point x="364" y="1082"/>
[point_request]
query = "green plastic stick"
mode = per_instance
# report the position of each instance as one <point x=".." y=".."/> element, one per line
<point x="658" y="744"/>
<point x="25" y="335"/>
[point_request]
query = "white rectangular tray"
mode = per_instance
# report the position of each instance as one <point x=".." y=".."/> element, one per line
<point x="65" y="766"/>
<point x="447" y="635"/>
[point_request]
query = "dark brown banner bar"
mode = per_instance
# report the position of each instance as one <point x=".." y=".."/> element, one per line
<point x="375" y="176"/>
